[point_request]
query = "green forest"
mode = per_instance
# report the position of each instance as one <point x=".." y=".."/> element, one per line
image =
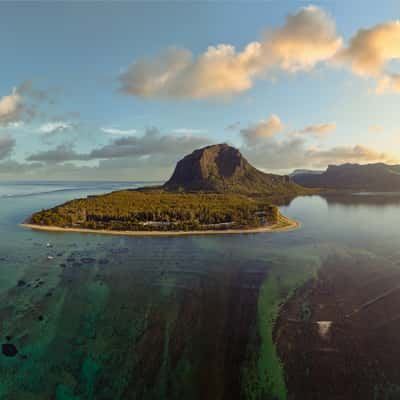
<point x="159" y="210"/>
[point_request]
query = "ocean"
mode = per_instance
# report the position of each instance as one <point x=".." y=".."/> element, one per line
<point x="86" y="316"/>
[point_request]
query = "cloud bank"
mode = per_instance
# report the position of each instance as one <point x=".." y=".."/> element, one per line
<point x="151" y="144"/>
<point x="307" y="38"/>
<point x="271" y="147"/>
<point x="294" y="152"/>
<point x="60" y="154"/>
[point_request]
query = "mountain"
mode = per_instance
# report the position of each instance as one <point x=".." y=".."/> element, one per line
<point x="214" y="188"/>
<point x="305" y="172"/>
<point x="223" y="169"/>
<point x="369" y="177"/>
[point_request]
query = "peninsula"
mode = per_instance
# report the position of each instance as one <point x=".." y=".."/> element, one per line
<point x="212" y="190"/>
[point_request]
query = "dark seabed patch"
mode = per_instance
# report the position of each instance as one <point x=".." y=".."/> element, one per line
<point x="9" y="350"/>
<point x="339" y="334"/>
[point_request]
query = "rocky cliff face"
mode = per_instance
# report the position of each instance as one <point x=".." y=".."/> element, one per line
<point x="223" y="169"/>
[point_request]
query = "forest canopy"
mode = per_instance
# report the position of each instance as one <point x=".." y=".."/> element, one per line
<point x="160" y="210"/>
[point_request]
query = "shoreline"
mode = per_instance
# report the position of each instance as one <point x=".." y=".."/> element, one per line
<point x="289" y="225"/>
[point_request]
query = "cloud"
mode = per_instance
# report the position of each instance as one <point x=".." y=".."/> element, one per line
<point x="388" y="84"/>
<point x="10" y="108"/>
<point x="22" y="104"/>
<point x="319" y="129"/>
<point x="290" y="150"/>
<point x="152" y="144"/>
<point x="7" y="144"/>
<point x="27" y="89"/>
<point x="61" y="153"/>
<point x="16" y="124"/>
<point x="118" y="131"/>
<point x="262" y="130"/>
<point x="371" y="50"/>
<point x="125" y="169"/>
<point x="12" y="168"/>
<point x="51" y="128"/>
<point x="189" y="131"/>
<point x="294" y="152"/>
<point x="345" y="154"/>
<point x="307" y="38"/>
<point x="153" y="157"/>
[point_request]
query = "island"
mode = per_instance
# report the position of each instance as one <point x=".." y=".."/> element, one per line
<point x="212" y="190"/>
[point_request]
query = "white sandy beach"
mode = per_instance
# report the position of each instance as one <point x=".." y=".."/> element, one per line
<point x="285" y="225"/>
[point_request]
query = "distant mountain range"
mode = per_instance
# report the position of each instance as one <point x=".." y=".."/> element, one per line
<point x="223" y="169"/>
<point x="369" y="177"/>
<point x="305" y="172"/>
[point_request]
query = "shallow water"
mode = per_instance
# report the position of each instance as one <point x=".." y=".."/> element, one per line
<point x="113" y="317"/>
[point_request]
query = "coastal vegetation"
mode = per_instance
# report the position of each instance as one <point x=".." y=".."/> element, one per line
<point x="132" y="210"/>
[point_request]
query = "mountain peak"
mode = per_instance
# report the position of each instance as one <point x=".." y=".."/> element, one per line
<point x="222" y="168"/>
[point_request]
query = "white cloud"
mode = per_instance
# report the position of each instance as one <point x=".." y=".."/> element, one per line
<point x="10" y="108"/>
<point x="389" y="83"/>
<point x="189" y="131"/>
<point x="371" y="50"/>
<point x="319" y="129"/>
<point x="22" y="104"/>
<point x="262" y="130"/>
<point x="118" y="131"/>
<point x="307" y="38"/>
<point x="54" y="127"/>
<point x="16" y="124"/>
<point x="12" y="125"/>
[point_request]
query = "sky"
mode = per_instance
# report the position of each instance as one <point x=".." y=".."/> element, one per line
<point x="122" y="90"/>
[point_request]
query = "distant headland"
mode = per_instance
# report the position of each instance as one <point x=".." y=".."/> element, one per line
<point x="376" y="177"/>
<point x="212" y="190"/>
